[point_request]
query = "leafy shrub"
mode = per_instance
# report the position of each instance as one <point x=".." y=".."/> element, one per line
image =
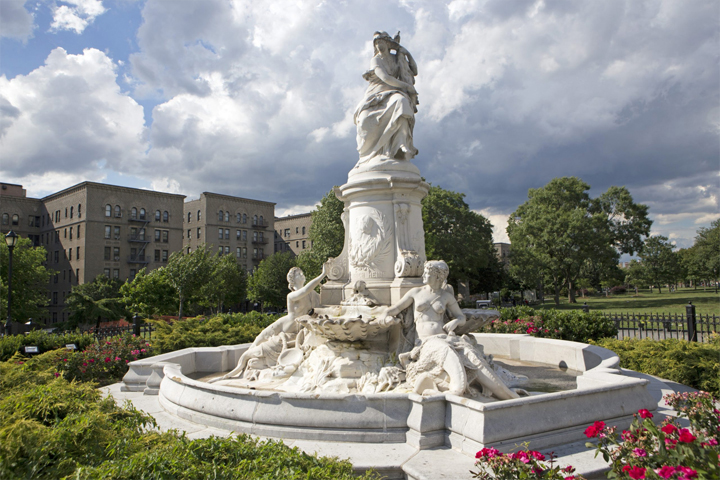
<point x="224" y="329"/>
<point x="573" y="325"/>
<point x="10" y="345"/>
<point x="689" y="363"/>
<point x="53" y="428"/>
<point x="619" y="289"/>
<point x="646" y="451"/>
<point x="529" y="464"/>
<point x="106" y="361"/>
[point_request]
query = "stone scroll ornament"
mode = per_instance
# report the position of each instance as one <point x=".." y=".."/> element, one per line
<point x="338" y="265"/>
<point x="409" y="263"/>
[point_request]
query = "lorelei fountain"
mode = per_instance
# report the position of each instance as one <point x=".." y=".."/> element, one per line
<point x="384" y="353"/>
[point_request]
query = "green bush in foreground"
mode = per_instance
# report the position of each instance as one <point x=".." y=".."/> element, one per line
<point x="573" y="325"/>
<point x="694" y="364"/>
<point x="223" y="329"/>
<point x="10" y="345"/>
<point x="52" y="428"/>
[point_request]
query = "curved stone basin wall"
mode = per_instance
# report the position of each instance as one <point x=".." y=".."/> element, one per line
<point x="543" y="420"/>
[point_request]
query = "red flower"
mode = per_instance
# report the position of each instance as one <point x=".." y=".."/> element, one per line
<point x="489" y="453"/>
<point x="57" y="374"/>
<point x="537" y="455"/>
<point x="593" y="430"/>
<point x="688" y="472"/>
<point x="92" y="360"/>
<point x="645" y="413"/>
<point x="686" y="436"/>
<point x="107" y="359"/>
<point x="665" y="472"/>
<point x="634" y="472"/>
<point x="669" y="428"/>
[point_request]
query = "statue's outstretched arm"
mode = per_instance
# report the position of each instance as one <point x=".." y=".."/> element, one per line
<point x="457" y="314"/>
<point x="309" y="286"/>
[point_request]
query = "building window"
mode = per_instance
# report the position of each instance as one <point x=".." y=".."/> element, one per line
<point x="227" y="234"/>
<point x="303" y="244"/>
<point x="70" y="254"/>
<point x="297" y="244"/>
<point x="227" y="216"/>
<point x="287" y="232"/>
<point x="227" y="250"/>
<point x="116" y="273"/>
<point x="238" y="218"/>
<point x="188" y="250"/>
<point x="166" y="216"/>
<point x="255" y="220"/>
<point x="255" y="236"/>
<point x="157" y="235"/>
<point x="262" y="222"/>
<point x="157" y="215"/>
<point x="188" y="235"/>
<point x="297" y="230"/>
<point x="132" y="274"/>
<point x="238" y="235"/>
<point x="245" y="235"/>
<point x="142" y="214"/>
<point x="116" y="254"/>
<point x="199" y="216"/>
<point x="57" y="216"/>
<point x="165" y="236"/>
<point x="189" y="217"/>
<point x="244" y="252"/>
<point x="77" y="270"/>
<point x="71" y="229"/>
<point x="15" y="219"/>
<point x="199" y="232"/>
<point x="78" y="229"/>
<point x="64" y="278"/>
<point x="220" y="216"/>
<point x="118" y="212"/>
<point x="107" y="254"/>
<point x="57" y="236"/>
<point x="108" y="210"/>
<point x="106" y="272"/>
<point x="65" y="232"/>
<point x="5" y="219"/>
<point x="116" y="233"/>
<point x="303" y="230"/>
<point x="77" y="253"/>
<point x="133" y="213"/>
<point x="244" y="218"/>
<point x="238" y="252"/>
<point x="71" y="211"/>
<point x="107" y="232"/>
<point x="55" y="298"/>
<point x="220" y="250"/>
<point x="220" y="233"/>
<point x="80" y="210"/>
<point x="165" y="256"/>
<point x="66" y="210"/>
<point x="157" y="255"/>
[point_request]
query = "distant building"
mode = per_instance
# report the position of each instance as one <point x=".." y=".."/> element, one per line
<point x="92" y="229"/>
<point x="231" y="225"/>
<point x="292" y="233"/>
<point x="502" y="251"/>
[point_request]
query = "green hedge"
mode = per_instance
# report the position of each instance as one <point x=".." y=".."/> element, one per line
<point x="10" y="345"/>
<point x="51" y="428"/>
<point x="573" y="325"/>
<point x="224" y="329"/>
<point x="694" y="364"/>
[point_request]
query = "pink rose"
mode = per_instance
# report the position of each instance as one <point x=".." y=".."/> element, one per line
<point x="665" y="472"/>
<point x="593" y="430"/>
<point x="686" y="436"/>
<point x="669" y="428"/>
<point x="640" y="452"/>
<point x="645" y="413"/>
<point x="107" y="359"/>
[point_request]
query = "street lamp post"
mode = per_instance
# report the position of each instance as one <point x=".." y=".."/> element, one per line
<point x="10" y="239"/>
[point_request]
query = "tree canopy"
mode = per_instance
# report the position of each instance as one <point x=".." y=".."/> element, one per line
<point x="561" y="233"/>
<point x="29" y="282"/>
<point x="268" y="283"/>
<point x="188" y="273"/>
<point x="660" y="265"/>
<point x="96" y="300"/>
<point x="150" y="294"/>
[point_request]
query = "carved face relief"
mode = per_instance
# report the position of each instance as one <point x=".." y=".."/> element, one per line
<point x="369" y="241"/>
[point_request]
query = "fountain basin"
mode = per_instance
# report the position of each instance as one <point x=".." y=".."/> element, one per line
<point x="465" y="424"/>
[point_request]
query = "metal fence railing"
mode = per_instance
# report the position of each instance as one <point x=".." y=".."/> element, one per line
<point x="144" y="330"/>
<point x="661" y="326"/>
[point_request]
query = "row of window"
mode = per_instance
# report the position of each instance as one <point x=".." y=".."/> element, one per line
<point x="224" y="216"/>
<point x="56" y="255"/>
<point x="240" y="235"/>
<point x="240" y="252"/>
<point x="66" y="275"/>
<point x="136" y="214"/>
<point x="286" y="232"/>
<point x="113" y="232"/>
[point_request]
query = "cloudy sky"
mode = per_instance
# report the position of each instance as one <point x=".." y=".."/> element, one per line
<point x="255" y="98"/>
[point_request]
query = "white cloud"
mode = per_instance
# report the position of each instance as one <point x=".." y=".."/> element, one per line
<point x="15" y="21"/>
<point x="499" y="222"/>
<point x="76" y="15"/>
<point x="69" y="117"/>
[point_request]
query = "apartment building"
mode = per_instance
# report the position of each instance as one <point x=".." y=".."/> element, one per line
<point x="231" y="225"/>
<point x="292" y="233"/>
<point x="92" y="229"/>
<point x="502" y="251"/>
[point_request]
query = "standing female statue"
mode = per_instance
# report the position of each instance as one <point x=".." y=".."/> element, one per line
<point x="386" y="116"/>
<point x="441" y="360"/>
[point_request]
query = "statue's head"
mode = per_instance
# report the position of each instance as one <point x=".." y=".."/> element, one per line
<point x="295" y="277"/>
<point x="360" y="287"/>
<point x="382" y="38"/>
<point x="436" y="269"/>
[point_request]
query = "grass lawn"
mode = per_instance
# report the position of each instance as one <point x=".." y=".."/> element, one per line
<point x="706" y="302"/>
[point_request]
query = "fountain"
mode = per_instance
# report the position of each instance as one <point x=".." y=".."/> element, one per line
<point x="384" y="354"/>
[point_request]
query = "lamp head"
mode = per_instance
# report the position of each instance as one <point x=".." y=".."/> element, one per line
<point x="11" y="239"/>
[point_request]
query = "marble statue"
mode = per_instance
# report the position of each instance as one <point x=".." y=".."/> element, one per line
<point x="385" y="117"/>
<point x="442" y="361"/>
<point x="274" y="339"/>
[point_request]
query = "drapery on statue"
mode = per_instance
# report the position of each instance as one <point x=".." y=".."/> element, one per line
<point x="386" y="116"/>
<point x="442" y="361"/>
<point x="279" y="336"/>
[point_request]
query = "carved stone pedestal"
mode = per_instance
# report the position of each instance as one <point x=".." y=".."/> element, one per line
<point x="384" y="236"/>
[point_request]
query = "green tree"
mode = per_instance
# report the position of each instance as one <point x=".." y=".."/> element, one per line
<point x="327" y="235"/>
<point x="563" y="233"/>
<point x="268" y="283"/>
<point x="228" y="285"/>
<point x="95" y="300"/>
<point x="659" y="262"/>
<point x="150" y="294"/>
<point x="635" y="275"/>
<point x="462" y="238"/>
<point x="188" y="273"/>
<point x="29" y="282"/>
<point x="707" y="243"/>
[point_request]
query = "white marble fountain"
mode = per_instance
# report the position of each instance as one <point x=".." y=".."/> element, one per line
<point x="384" y="353"/>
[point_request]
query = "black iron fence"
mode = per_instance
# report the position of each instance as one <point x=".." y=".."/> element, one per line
<point x="145" y="330"/>
<point x="660" y="326"/>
